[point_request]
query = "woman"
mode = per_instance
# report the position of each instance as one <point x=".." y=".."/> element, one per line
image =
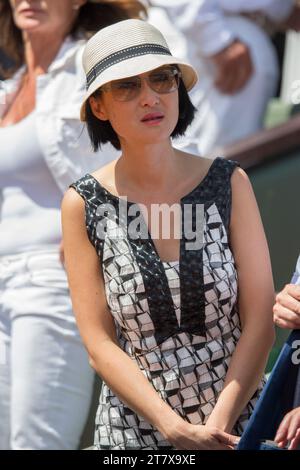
<point x="181" y="358"/>
<point x="45" y="379"/>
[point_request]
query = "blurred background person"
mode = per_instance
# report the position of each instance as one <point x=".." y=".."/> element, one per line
<point x="229" y="43"/>
<point x="45" y="379"/>
<point x="287" y="315"/>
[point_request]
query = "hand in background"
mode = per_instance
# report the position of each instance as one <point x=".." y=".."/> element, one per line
<point x="286" y="311"/>
<point x="289" y="430"/>
<point x="234" y="67"/>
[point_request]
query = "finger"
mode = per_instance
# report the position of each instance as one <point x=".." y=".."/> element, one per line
<point x="283" y="428"/>
<point x="220" y="446"/>
<point x="229" y="87"/>
<point x="294" y="426"/>
<point x="292" y="290"/>
<point x="281" y="436"/>
<point x="225" y="82"/>
<point x="288" y="301"/>
<point x="283" y="313"/>
<point x="235" y="82"/>
<point x="229" y="79"/>
<point x="227" y="439"/>
<point x="241" y="70"/>
<point x="245" y="73"/>
<point x="282" y="444"/>
<point x="285" y="324"/>
<point x="295" y="441"/>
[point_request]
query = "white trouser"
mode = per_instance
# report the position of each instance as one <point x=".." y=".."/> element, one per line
<point x="222" y="119"/>
<point x="45" y="380"/>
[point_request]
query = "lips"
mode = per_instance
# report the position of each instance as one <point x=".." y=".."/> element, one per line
<point x="30" y="10"/>
<point x="152" y="117"/>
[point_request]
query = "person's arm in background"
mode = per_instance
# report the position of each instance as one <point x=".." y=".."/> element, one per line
<point x="275" y="10"/>
<point x="286" y="310"/>
<point x="255" y="301"/>
<point x="204" y="24"/>
<point x="287" y="315"/>
<point x="283" y="13"/>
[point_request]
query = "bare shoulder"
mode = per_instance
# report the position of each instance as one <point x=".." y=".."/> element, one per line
<point x="72" y="203"/>
<point x="244" y="202"/>
<point x="240" y="182"/>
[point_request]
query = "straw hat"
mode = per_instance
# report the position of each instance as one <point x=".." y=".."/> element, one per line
<point x="124" y="49"/>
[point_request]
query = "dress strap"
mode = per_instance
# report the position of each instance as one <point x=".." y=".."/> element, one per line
<point x="221" y="187"/>
<point x="87" y="188"/>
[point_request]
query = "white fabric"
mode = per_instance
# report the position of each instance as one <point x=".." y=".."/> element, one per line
<point x="297" y="271"/>
<point x="208" y="18"/>
<point x="290" y="88"/>
<point x="277" y="10"/>
<point x="63" y="138"/>
<point x="221" y="119"/>
<point x="30" y="216"/>
<point x="45" y="380"/>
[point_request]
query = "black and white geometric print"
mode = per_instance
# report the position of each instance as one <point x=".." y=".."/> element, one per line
<point x="178" y="321"/>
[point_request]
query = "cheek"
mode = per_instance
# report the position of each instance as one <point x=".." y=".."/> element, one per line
<point x="175" y="108"/>
<point x="60" y="10"/>
<point x="120" y="120"/>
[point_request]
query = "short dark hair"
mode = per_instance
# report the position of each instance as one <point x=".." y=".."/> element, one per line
<point x="101" y="132"/>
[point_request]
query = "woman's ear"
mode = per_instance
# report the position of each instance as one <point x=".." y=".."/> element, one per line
<point x="98" y="108"/>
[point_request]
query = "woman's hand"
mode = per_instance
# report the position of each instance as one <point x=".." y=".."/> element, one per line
<point x="289" y="430"/>
<point x="197" y="437"/>
<point x="287" y="307"/>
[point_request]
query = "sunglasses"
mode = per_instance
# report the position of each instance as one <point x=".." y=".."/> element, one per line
<point x="164" y="80"/>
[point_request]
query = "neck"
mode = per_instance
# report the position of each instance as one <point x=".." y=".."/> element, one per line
<point x="40" y="52"/>
<point x="150" y="167"/>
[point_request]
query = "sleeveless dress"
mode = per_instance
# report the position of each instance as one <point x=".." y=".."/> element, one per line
<point x="177" y="320"/>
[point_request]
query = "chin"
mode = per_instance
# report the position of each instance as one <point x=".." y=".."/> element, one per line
<point x="29" y="24"/>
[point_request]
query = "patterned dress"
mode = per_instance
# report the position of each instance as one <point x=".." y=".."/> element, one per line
<point x="177" y="320"/>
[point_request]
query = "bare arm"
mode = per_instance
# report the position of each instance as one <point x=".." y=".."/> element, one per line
<point x="97" y="330"/>
<point x="256" y="298"/>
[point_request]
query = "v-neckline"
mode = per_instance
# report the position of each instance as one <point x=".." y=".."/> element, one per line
<point x="181" y="199"/>
<point x="189" y="194"/>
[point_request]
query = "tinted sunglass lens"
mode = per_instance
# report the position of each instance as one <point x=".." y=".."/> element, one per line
<point x="164" y="81"/>
<point x="125" y="90"/>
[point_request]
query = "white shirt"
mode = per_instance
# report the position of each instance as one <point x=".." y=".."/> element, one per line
<point x="296" y="277"/>
<point x="30" y="211"/>
<point x="63" y="139"/>
<point x="203" y="20"/>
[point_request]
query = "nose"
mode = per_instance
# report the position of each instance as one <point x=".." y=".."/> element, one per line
<point x="148" y="97"/>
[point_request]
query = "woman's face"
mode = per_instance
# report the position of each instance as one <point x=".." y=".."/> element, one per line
<point x="149" y="118"/>
<point x="48" y="16"/>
